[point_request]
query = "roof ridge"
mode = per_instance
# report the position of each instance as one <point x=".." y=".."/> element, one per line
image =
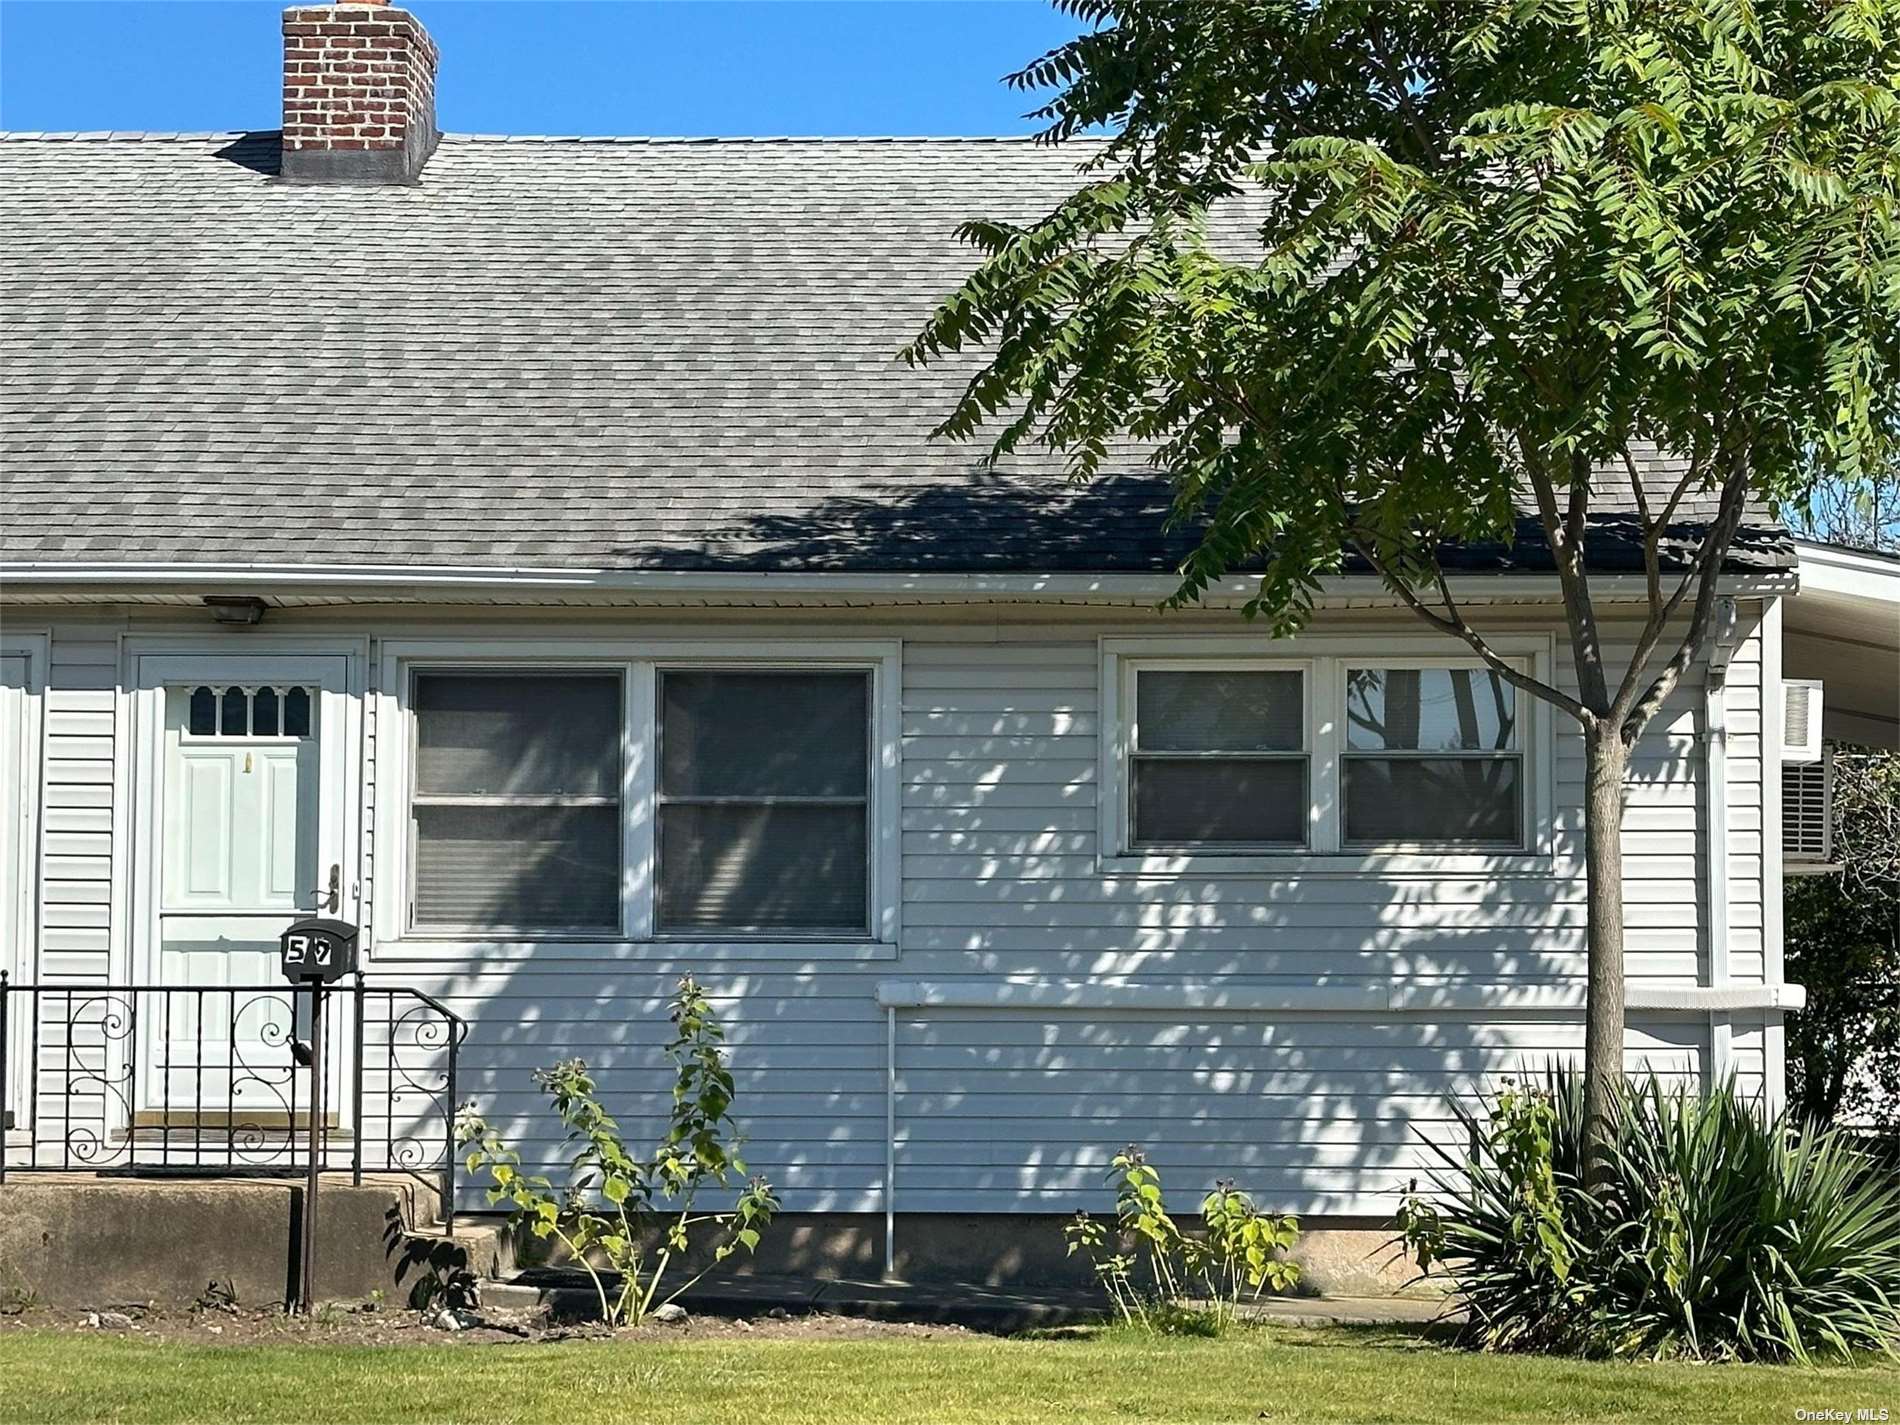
<point x="207" y="135"/>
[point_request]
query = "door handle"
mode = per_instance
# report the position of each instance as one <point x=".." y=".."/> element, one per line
<point x="332" y="899"/>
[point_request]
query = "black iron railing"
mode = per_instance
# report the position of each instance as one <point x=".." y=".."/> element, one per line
<point x="216" y="1079"/>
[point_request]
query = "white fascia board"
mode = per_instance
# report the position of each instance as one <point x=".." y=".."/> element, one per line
<point x="1208" y="1000"/>
<point x="446" y="583"/>
<point x="1848" y="573"/>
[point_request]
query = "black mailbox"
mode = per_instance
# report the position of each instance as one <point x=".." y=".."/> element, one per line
<point x="318" y="949"/>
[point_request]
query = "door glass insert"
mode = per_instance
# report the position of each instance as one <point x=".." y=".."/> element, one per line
<point x="269" y="710"/>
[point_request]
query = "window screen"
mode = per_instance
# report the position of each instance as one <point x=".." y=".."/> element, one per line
<point x="764" y="802"/>
<point x="1432" y="755"/>
<point x="1219" y="759"/>
<point x="517" y="801"/>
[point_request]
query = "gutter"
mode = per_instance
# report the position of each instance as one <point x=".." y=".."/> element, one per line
<point x="398" y="582"/>
<point x="1851" y="573"/>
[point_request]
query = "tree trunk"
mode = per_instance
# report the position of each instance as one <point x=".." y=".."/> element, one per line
<point x="1607" y="764"/>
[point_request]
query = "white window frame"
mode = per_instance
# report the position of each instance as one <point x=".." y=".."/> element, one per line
<point x="1324" y="661"/>
<point x="639" y="662"/>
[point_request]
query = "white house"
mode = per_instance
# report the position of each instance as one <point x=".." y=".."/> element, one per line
<point x="529" y="550"/>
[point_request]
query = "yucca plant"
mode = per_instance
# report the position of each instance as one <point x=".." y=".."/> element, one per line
<point x="1716" y="1232"/>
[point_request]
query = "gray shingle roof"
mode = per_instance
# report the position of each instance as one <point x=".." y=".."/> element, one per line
<point x="549" y="353"/>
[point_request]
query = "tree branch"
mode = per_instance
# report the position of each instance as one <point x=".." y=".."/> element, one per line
<point x="1661" y="611"/>
<point x="1690" y="477"/>
<point x="1452" y="622"/>
<point x="1704" y="572"/>
<point x="1652" y="565"/>
<point x="1402" y="98"/>
<point x="1579" y="507"/>
<point x="1585" y="645"/>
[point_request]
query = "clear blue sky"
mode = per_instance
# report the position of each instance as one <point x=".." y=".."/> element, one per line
<point x="551" y="66"/>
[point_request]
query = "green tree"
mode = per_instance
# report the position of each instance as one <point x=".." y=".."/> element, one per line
<point x="1363" y="273"/>
<point x="1843" y="935"/>
<point x="1862" y="513"/>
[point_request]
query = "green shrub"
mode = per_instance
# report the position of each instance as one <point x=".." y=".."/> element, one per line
<point x="1174" y="1282"/>
<point x="635" y="1214"/>
<point x="1843" y="933"/>
<point x="1714" y="1233"/>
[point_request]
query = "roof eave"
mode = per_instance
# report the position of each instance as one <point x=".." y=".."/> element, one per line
<point x="119" y="582"/>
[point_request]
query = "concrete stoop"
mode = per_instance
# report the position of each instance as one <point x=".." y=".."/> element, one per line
<point x="85" y="1240"/>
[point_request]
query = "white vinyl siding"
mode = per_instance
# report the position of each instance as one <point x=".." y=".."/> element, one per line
<point x="79" y="771"/>
<point x="991" y="751"/>
<point x="1008" y="1110"/>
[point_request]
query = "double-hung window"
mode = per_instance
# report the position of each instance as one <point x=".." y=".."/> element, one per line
<point x="764" y="802"/>
<point x="515" y="814"/>
<point x="1220" y="759"/>
<point x="1328" y="757"/>
<point x="733" y="799"/>
<point x="1431" y="756"/>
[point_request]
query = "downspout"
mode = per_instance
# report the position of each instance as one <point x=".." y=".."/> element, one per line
<point x="1715" y="831"/>
<point x="890" y="1142"/>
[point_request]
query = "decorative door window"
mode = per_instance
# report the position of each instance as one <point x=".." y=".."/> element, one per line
<point x="234" y="711"/>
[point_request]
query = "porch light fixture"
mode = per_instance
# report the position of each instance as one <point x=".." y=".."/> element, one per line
<point x="243" y="609"/>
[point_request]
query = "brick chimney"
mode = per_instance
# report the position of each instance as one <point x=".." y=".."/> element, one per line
<point x="359" y="94"/>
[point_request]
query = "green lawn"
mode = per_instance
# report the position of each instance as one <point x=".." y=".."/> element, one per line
<point x="1270" y="1373"/>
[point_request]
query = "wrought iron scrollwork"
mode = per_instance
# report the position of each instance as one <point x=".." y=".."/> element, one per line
<point x="112" y="1079"/>
<point x="418" y="1093"/>
<point x="209" y="1077"/>
<point x="250" y="1135"/>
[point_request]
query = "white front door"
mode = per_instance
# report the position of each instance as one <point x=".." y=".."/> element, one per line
<point x="251" y="832"/>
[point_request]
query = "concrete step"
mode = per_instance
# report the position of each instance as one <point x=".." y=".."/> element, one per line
<point x="85" y="1240"/>
<point x="429" y="1258"/>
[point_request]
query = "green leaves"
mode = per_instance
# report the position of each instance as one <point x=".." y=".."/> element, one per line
<point x="1235" y="1255"/>
<point x="1349" y="272"/>
<point x="632" y="1240"/>
<point x="1717" y="1232"/>
<point x="1843" y="944"/>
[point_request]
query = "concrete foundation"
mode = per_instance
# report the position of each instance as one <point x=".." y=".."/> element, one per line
<point x="75" y="1240"/>
<point x="1339" y="1256"/>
